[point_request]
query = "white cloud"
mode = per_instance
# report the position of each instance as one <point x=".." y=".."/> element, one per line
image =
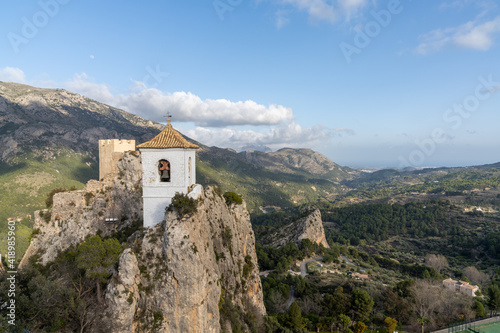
<point x="188" y="107"/>
<point x="352" y="4"/>
<point x="217" y="120"/>
<point x="454" y="4"/>
<point x="185" y="106"/>
<point x="341" y="131"/>
<point x="290" y="135"/>
<point x="462" y="4"/>
<point x="12" y="74"/>
<point x="321" y="10"/>
<point x="473" y="35"/>
<point x="479" y="37"/>
<point x="98" y="91"/>
<point x="350" y="7"/>
<point x="214" y="117"/>
<point x="282" y="19"/>
<point x="330" y="11"/>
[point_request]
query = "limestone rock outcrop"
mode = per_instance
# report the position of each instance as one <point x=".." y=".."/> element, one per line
<point x="309" y="226"/>
<point x="122" y="294"/>
<point x="187" y="274"/>
<point x="75" y="215"/>
<point x="192" y="269"/>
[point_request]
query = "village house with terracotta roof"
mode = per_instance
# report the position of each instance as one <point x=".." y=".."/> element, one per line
<point x="461" y="286"/>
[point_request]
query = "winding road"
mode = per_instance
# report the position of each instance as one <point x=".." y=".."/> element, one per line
<point x="303" y="266"/>
<point x="347" y="261"/>
<point x="303" y="273"/>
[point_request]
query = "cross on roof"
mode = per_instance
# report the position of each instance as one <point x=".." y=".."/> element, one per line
<point x="168" y="116"/>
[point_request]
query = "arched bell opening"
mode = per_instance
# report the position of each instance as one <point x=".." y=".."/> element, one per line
<point x="164" y="170"/>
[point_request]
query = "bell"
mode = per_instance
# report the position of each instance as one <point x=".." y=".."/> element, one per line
<point x="165" y="175"/>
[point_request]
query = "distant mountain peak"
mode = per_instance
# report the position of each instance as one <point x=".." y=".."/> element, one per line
<point x="255" y="147"/>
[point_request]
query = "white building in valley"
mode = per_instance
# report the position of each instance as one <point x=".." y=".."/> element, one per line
<point x="461" y="286"/>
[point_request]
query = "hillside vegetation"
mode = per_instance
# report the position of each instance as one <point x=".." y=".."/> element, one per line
<point x="388" y="225"/>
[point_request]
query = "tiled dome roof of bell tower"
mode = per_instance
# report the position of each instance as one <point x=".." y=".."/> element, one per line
<point x="168" y="138"/>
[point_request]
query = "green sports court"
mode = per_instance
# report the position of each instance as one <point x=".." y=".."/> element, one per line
<point x="486" y="328"/>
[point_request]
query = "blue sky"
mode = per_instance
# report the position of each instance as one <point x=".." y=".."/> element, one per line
<point x="365" y="82"/>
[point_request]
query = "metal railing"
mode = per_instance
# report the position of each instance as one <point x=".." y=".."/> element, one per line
<point x="469" y="325"/>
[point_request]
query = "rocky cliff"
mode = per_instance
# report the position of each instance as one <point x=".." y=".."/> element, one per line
<point x="309" y="226"/>
<point x="195" y="273"/>
<point x="75" y="215"/>
<point x="190" y="274"/>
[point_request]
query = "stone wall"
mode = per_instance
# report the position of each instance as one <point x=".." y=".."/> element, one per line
<point x="110" y="152"/>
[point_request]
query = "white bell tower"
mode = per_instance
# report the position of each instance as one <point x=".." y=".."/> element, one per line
<point x="168" y="167"/>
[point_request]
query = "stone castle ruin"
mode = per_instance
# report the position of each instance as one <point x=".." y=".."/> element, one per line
<point x="110" y="152"/>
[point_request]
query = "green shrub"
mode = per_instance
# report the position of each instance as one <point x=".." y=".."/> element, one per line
<point x="232" y="198"/>
<point x="45" y="214"/>
<point x="248" y="267"/>
<point x="183" y="204"/>
<point x="35" y="232"/>
<point x="130" y="298"/>
<point x="88" y="196"/>
<point x="227" y="237"/>
<point x="217" y="190"/>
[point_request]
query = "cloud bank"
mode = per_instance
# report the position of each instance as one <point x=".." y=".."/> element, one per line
<point x="154" y="104"/>
<point x="476" y="34"/>
<point x="187" y="107"/>
<point x="218" y="122"/>
<point x="291" y="135"/>
<point x="11" y="74"/>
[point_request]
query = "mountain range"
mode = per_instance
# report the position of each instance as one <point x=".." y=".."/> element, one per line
<point x="49" y="139"/>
